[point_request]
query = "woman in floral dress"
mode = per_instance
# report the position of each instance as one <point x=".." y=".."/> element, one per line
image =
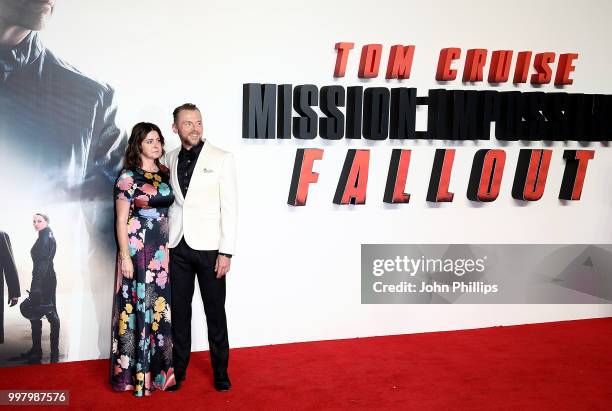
<point x="141" y="358"/>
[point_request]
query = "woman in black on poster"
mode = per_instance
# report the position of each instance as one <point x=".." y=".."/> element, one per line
<point x="41" y="302"/>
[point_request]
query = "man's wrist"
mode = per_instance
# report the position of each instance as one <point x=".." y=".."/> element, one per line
<point x="226" y="255"/>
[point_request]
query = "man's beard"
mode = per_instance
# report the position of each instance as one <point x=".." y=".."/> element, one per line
<point x="193" y="139"/>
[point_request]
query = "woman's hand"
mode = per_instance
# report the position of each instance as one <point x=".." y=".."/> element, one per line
<point x="127" y="268"/>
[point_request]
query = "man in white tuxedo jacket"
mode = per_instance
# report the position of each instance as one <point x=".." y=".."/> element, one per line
<point x="202" y="237"/>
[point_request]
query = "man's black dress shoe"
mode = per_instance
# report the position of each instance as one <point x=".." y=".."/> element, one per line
<point x="223" y="385"/>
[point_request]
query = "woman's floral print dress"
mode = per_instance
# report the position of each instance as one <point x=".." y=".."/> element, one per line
<point x="141" y="358"/>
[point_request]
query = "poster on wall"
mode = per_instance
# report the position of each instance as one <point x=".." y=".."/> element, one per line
<point x="61" y="150"/>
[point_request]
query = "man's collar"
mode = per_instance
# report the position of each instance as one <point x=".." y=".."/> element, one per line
<point x="24" y="53"/>
<point x="193" y="152"/>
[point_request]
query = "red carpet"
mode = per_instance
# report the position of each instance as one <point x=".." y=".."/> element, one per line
<point x="554" y="366"/>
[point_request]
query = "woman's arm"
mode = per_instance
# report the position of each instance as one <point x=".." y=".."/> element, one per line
<point x="125" y="261"/>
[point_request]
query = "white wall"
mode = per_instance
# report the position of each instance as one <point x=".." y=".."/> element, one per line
<point x="296" y="275"/>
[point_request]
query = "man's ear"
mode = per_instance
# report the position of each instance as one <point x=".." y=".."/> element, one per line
<point x="174" y="128"/>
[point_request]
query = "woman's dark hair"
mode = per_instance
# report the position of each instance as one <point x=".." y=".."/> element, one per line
<point x="132" y="152"/>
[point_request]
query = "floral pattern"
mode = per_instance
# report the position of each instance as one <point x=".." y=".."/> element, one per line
<point x="141" y="358"/>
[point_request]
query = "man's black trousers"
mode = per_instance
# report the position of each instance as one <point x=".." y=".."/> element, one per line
<point x="185" y="264"/>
